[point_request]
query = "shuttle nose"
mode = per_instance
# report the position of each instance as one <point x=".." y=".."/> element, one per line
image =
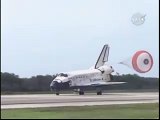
<point x="54" y="85"/>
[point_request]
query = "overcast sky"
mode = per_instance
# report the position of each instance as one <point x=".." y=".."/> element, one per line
<point x="42" y="37"/>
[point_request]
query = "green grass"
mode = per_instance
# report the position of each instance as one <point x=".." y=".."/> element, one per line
<point x="107" y="111"/>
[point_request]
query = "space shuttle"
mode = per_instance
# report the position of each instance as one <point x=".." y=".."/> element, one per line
<point x="97" y="76"/>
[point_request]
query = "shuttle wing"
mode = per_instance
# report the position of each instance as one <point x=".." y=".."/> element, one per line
<point x="106" y="83"/>
<point x="101" y="83"/>
<point x="103" y="57"/>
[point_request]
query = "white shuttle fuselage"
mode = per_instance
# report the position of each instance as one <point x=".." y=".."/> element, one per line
<point x="85" y="77"/>
<point x="99" y="75"/>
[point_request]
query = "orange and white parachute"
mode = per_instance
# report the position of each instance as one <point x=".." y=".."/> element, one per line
<point x="141" y="61"/>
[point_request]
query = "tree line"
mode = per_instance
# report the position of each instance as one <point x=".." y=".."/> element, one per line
<point x="12" y="83"/>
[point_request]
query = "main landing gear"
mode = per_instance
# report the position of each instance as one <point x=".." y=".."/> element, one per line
<point x="81" y="92"/>
<point x="57" y="93"/>
<point x="99" y="91"/>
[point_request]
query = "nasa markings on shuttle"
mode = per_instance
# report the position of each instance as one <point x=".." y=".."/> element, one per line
<point x="142" y="61"/>
<point x="100" y="74"/>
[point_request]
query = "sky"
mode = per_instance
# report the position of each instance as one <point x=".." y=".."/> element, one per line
<point x="40" y="37"/>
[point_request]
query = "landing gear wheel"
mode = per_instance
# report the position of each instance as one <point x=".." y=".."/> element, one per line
<point x="57" y="93"/>
<point x="81" y="93"/>
<point x="99" y="93"/>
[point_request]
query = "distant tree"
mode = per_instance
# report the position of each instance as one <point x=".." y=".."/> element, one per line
<point x="12" y="82"/>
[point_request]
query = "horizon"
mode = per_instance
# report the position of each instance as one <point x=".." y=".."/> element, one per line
<point x="55" y="75"/>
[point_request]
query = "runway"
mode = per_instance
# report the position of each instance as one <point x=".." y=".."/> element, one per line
<point x="51" y="100"/>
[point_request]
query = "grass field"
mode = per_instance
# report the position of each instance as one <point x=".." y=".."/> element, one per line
<point x="150" y="110"/>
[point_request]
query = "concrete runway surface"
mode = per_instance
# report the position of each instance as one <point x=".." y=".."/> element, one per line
<point x="51" y="100"/>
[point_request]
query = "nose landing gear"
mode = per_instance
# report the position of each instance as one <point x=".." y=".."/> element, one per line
<point x="55" y="87"/>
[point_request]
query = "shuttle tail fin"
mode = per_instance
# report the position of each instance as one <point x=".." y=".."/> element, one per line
<point x="103" y="57"/>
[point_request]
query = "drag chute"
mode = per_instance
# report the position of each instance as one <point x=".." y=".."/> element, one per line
<point x="141" y="61"/>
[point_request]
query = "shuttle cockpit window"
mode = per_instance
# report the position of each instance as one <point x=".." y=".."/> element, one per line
<point x="63" y="75"/>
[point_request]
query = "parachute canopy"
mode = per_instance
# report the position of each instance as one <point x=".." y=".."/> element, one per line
<point x="141" y="61"/>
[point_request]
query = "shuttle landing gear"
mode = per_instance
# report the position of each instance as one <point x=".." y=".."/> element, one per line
<point x="80" y="91"/>
<point x="57" y="93"/>
<point x="99" y="91"/>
